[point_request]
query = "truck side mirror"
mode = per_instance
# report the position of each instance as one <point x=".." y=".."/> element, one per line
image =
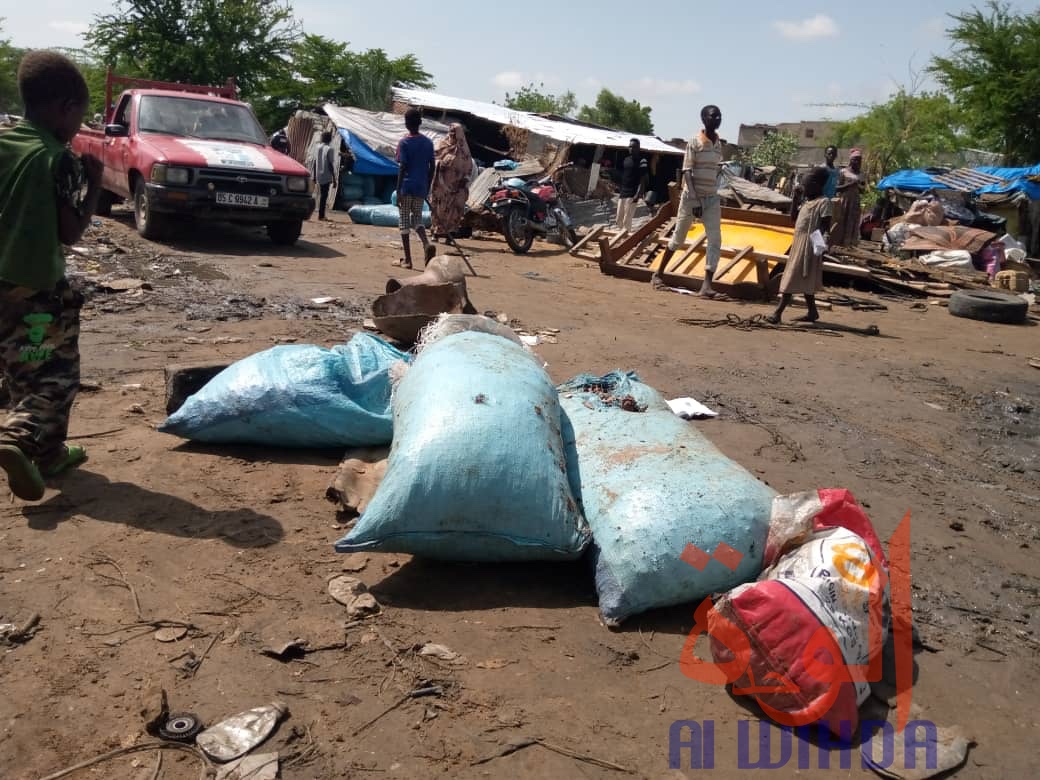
<point x="117" y="131"/>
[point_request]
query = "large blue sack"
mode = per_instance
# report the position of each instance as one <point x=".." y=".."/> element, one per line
<point x="390" y="216"/>
<point x="477" y="470"/>
<point x="297" y="396"/>
<point x="650" y="484"/>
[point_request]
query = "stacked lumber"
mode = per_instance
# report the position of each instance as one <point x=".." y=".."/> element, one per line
<point x="903" y="277"/>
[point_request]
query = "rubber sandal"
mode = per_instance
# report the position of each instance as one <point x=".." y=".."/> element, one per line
<point x="718" y="296"/>
<point x="402" y="264"/>
<point x="22" y="475"/>
<point x="74" y="456"/>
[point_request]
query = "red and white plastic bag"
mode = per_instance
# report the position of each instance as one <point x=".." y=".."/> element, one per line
<point x="809" y="632"/>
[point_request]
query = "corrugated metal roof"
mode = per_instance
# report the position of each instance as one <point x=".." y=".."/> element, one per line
<point x="550" y="128"/>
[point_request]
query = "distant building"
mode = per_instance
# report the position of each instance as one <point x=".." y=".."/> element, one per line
<point x="813" y="138"/>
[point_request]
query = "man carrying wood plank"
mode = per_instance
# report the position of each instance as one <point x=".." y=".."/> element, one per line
<point x="700" y="200"/>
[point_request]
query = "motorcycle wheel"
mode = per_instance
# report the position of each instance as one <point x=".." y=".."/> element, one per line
<point x="518" y="235"/>
<point x="569" y="236"/>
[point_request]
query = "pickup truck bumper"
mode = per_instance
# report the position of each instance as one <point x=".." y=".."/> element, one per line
<point x="201" y="204"/>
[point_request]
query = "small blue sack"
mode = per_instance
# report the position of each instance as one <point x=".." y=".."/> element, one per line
<point x="477" y="470"/>
<point x="296" y="396"/>
<point x="651" y="484"/>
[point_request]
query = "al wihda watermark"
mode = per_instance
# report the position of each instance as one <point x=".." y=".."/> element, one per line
<point x="691" y="745"/>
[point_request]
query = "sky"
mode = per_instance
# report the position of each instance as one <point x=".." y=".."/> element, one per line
<point x="759" y="60"/>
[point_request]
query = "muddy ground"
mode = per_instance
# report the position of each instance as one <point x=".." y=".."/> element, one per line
<point x="939" y="416"/>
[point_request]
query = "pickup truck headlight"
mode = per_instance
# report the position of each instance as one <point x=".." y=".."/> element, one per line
<point x="164" y="174"/>
<point x="297" y="183"/>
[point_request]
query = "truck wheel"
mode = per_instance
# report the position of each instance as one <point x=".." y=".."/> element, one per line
<point x="149" y="224"/>
<point x="104" y="204"/>
<point x="285" y="233"/>
<point x="989" y="306"/>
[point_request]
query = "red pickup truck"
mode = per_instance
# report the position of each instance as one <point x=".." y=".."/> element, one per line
<point x="184" y="150"/>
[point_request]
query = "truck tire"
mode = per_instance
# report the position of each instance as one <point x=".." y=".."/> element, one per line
<point x="989" y="306"/>
<point x="285" y="233"/>
<point x="149" y="224"/>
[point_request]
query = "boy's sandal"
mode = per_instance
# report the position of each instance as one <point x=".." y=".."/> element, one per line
<point x="402" y="263"/>
<point x="73" y="457"/>
<point x="717" y="296"/>
<point x="22" y="475"/>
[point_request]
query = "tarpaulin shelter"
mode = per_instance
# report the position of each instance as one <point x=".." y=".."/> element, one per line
<point x="373" y="135"/>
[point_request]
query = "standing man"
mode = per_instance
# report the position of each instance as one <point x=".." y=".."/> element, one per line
<point x="635" y="177"/>
<point x="700" y="200"/>
<point x="415" y="174"/>
<point x="324" y="171"/>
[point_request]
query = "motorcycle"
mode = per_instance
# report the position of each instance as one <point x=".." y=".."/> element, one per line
<point x="527" y="209"/>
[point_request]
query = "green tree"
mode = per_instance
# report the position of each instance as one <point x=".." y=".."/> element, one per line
<point x="197" y="41"/>
<point x="94" y="73"/>
<point x="775" y="149"/>
<point x="326" y="71"/>
<point x="993" y="74"/>
<point x="10" y="100"/>
<point x="907" y="131"/>
<point x="533" y="98"/>
<point x="615" y="112"/>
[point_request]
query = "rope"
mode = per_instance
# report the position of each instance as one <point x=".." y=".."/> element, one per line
<point x="734" y="321"/>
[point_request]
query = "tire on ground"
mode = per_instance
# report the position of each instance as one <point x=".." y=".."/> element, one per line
<point x="989" y="306"/>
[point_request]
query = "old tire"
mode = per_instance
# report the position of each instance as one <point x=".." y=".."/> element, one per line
<point x="285" y="233"/>
<point x="518" y="235"/>
<point x="149" y="224"/>
<point x="570" y="237"/>
<point x="989" y="306"/>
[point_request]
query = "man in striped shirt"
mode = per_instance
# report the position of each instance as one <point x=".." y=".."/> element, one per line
<point x="700" y="200"/>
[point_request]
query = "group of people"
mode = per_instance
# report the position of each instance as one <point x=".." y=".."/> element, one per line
<point x="822" y="189"/>
<point x="438" y="174"/>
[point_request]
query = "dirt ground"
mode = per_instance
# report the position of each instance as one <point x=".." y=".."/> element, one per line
<point x="939" y="416"/>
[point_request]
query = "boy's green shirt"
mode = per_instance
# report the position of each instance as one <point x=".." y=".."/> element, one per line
<point x="37" y="173"/>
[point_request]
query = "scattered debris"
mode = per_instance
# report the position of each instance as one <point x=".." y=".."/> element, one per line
<point x="233" y="737"/>
<point x="353" y="594"/>
<point x="691" y="409"/>
<point x="16" y="634"/>
<point x="171" y="634"/>
<point x="359" y="476"/>
<point x="439" y="651"/>
<point x="263" y="766"/>
<point x="519" y="743"/>
<point x="287" y="651"/>
<point x="418" y="693"/>
<point x="494" y="664"/>
<point x="181" y="727"/>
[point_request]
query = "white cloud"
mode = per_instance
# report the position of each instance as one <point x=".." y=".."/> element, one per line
<point x="509" y="79"/>
<point x="650" y="87"/>
<point x="515" y="79"/>
<point x="819" y="26"/>
<point x="70" y="27"/>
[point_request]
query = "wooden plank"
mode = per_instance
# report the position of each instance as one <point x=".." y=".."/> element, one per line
<point x="590" y="236"/>
<point x="693" y="248"/>
<point x="606" y="254"/>
<point x="639" y="248"/>
<point x="665" y="213"/>
<point x="772" y="218"/>
<point x="736" y="259"/>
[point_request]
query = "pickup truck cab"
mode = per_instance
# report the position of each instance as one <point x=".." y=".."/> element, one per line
<point x="181" y="150"/>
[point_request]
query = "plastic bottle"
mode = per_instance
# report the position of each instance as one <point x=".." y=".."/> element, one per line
<point x="235" y="736"/>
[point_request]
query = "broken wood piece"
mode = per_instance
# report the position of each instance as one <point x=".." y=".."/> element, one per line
<point x="589" y="237"/>
<point x="686" y="255"/>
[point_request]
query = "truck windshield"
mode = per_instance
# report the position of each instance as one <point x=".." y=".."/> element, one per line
<point x="199" y="119"/>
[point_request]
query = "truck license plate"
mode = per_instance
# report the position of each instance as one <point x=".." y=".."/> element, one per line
<point x="238" y="199"/>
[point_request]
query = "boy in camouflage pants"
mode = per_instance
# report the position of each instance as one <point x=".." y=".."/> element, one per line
<point x="41" y="207"/>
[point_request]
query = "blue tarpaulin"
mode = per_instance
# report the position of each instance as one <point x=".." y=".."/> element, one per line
<point x="1015" y="180"/>
<point x="366" y="161"/>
